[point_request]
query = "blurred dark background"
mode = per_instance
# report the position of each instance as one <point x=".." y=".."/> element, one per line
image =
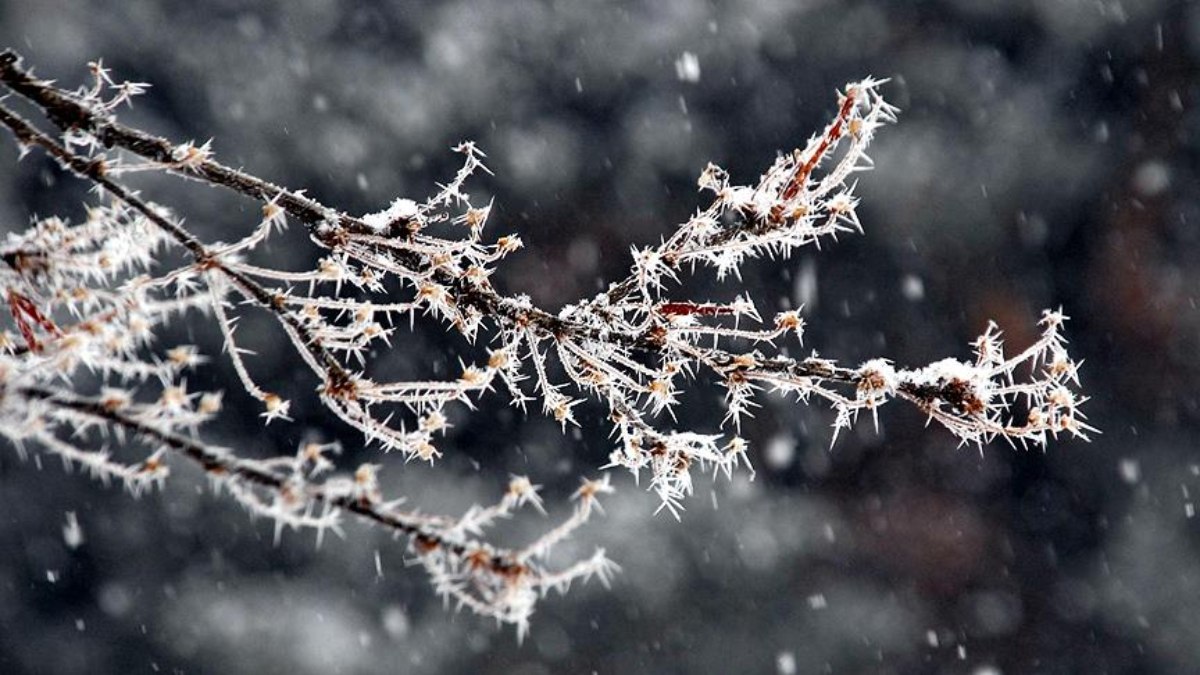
<point x="1046" y="155"/>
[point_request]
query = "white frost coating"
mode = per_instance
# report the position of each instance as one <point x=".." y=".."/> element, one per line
<point x="953" y="370"/>
<point x="878" y="375"/>
<point x="400" y="210"/>
<point x="944" y="371"/>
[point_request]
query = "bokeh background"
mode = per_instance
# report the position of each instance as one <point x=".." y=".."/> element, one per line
<point x="1046" y="155"/>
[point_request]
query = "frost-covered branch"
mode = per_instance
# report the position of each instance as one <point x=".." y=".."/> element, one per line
<point x="294" y="492"/>
<point x="91" y="297"/>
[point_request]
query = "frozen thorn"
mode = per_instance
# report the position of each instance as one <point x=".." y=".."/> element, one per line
<point x="476" y="218"/>
<point x="713" y="179"/>
<point x="366" y="483"/>
<point x="473" y="377"/>
<point x="424" y="450"/>
<point x="563" y="411"/>
<point x="590" y="488"/>
<point x="184" y="356"/>
<point x="509" y="244"/>
<point x="1052" y="319"/>
<point x="523" y="491"/>
<point x="276" y="407"/>
<point x="790" y="322"/>
<point x="434" y="422"/>
<point x="210" y="403"/>
<point x="498" y="359"/>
